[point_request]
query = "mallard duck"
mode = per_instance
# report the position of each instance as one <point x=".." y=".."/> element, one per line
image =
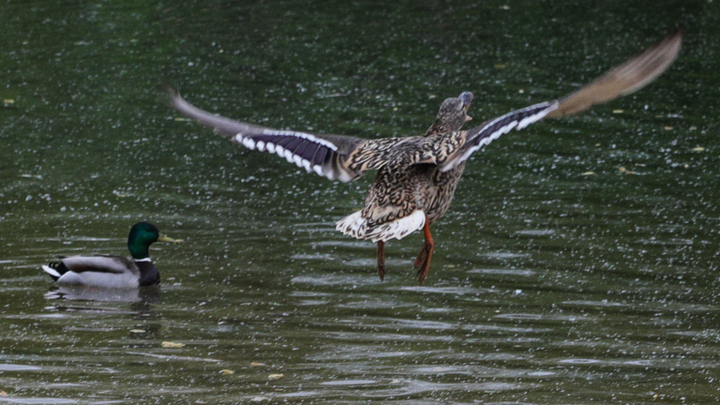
<point x="107" y="271"/>
<point x="417" y="175"/>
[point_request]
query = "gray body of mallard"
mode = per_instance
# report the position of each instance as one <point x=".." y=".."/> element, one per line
<point x="109" y="271"/>
<point x="417" y="176"/>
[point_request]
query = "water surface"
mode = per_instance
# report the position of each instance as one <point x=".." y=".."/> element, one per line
<point x="578" y="264"/>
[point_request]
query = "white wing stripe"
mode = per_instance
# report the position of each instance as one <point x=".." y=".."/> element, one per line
<point x="302" y="135"/>
<point x="248" y="142"/>
<point x="482" y="139"/>
<point x="289" y="156"/>
<point x="262" y="146"/>
<point x="280" y="151"/>
<point x="538" y="116"/>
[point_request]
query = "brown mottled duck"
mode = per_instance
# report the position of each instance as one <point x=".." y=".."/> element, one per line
<point x="417" y="175"/>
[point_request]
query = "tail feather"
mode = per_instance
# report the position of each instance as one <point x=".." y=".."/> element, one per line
<point x="52" y="272"/>
<point x="356" y="226"/>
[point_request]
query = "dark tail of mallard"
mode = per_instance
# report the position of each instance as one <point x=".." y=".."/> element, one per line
<point x="627" y="78"/>
<point x="55" y="270"/>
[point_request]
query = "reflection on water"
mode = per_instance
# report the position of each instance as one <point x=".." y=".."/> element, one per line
<point x="577" y="265"/>
<point x="80" y="293"/>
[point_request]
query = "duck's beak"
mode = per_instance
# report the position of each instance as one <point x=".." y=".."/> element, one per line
<point x="164" y="238"/>
<point x="467" y="98"/>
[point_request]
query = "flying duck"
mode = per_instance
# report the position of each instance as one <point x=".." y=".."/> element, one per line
<point x="417" y="175"/>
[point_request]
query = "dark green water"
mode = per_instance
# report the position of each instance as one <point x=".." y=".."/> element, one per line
<point x="549" y="285"/>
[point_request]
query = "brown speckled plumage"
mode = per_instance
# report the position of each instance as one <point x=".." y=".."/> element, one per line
<point x="417" y="176"/>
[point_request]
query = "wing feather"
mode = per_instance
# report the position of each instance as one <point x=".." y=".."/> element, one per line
<point x="326" y="155"/>
<point x="99" y="264"/>
<point x="624" y="79"/>
<point x="481" y="136"/>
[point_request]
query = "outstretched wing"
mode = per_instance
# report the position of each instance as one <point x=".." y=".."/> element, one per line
<point x="619" y="81"/>
<point x="337" y="157"/>
<point x="622" y="80"/>
<point x="491" y="130"/>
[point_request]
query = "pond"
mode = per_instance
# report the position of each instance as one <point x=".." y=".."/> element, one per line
<point x="577" y="265"/>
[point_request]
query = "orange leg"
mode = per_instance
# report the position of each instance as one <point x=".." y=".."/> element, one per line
<point x="381" y="260"/>
<point x="422" y="263"/>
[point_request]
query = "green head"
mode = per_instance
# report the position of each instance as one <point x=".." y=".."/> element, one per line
<point x="452" y="115"/>
<point x="142" y="235"/>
